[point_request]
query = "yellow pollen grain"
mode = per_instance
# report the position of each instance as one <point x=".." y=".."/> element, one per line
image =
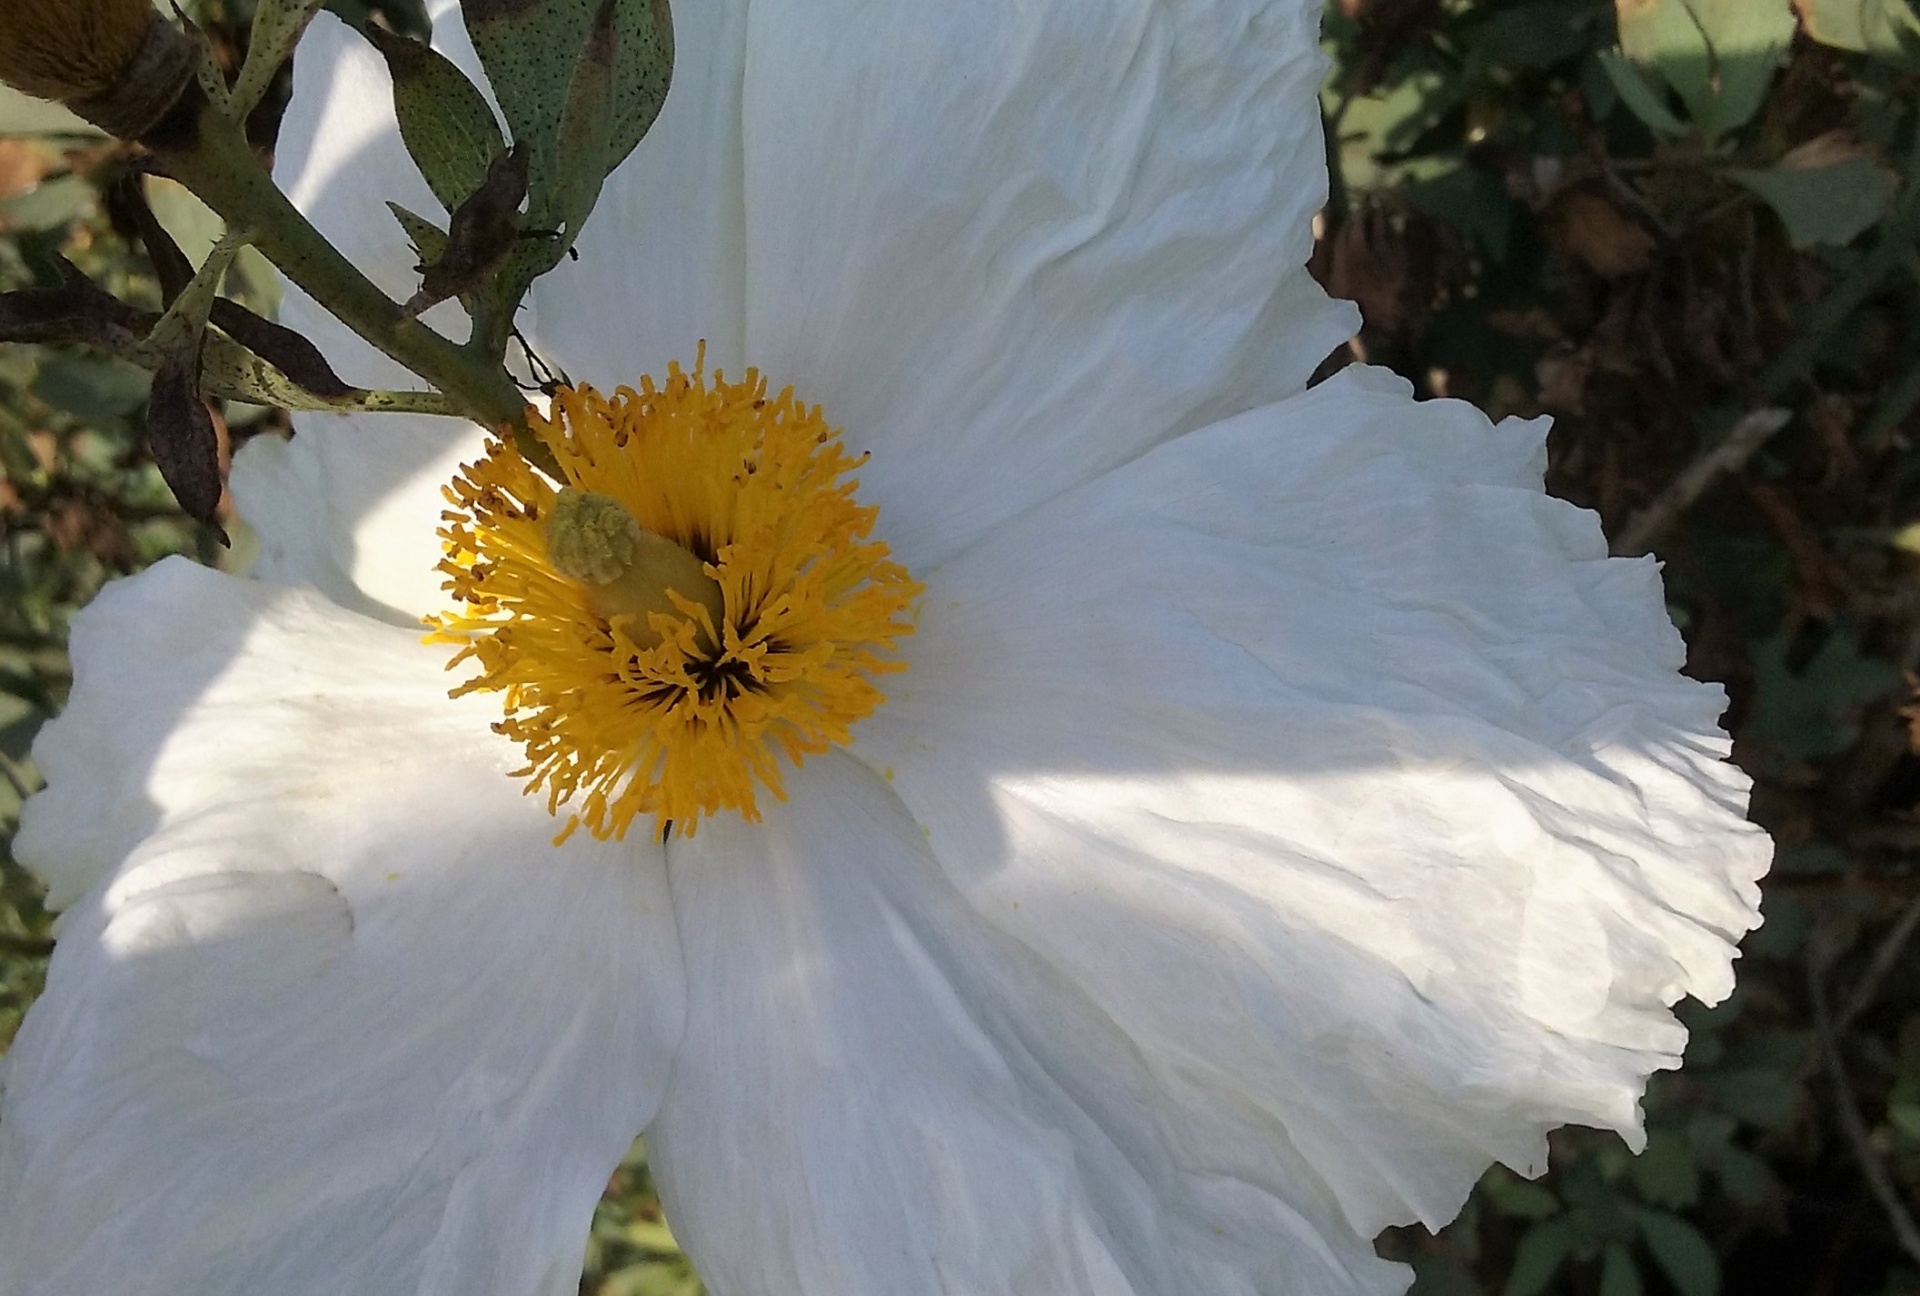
<point x="680" y="718"/>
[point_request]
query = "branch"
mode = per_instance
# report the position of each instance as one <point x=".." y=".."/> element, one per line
<point x="1854" y="1126"/>
<point x="1753" y="430"/>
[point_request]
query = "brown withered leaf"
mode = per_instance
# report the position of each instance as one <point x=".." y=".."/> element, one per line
<point x="483" y="230"/>
<point x="130" y="214"/>
<point x="289" y="352"/>
<point x="1604" y="238"/>
<point x="180" y="432"/>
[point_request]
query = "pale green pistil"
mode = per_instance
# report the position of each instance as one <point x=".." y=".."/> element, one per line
<point x="626" y="570"/>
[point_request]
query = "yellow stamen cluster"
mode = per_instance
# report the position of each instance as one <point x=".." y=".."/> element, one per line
<point x="685" y="714"/>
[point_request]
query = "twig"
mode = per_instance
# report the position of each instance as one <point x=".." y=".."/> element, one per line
<point x="1851" y="1123"/>
<point x="1753" y="430"/>
<point x="1883" y="960"/>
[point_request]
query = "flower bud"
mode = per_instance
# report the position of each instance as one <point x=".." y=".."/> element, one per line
<point x="117" y="63"/>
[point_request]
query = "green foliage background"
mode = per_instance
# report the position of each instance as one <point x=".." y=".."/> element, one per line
<point x="1686" y="230"/>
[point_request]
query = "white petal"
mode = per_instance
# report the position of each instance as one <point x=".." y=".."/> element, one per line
<point x="877" y="1094"/>
<point x="1010" y="246"/>
<point x="337" y="1017"/>
<point x="1344" y="772"/>
<point x="351" y="505"/>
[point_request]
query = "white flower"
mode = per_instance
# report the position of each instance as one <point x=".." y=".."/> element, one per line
<point x="1288" y="810"/>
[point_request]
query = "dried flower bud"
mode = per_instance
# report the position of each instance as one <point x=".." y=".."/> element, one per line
<point x="117" y="63"/>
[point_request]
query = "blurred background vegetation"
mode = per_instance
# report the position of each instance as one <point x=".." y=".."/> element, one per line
<point x="1686" y="229"/>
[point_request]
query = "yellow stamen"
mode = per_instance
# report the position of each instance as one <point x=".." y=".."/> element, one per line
<point x="632" y="679"/>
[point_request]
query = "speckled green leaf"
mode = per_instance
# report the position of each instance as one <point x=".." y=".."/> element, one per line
<point x="444" y="119"/>
<point x="277" y="25"/>
<point x="581" y="152"/>
<point x="643" y="74"/>
<point x="530" y="48"/>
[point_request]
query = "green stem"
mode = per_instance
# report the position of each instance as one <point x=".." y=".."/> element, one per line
<point x="221" y="169"/>
<point x="396" y="402"/>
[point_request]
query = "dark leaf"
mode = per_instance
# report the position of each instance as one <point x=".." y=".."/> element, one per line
<point x="281" y="347"/>
<point x="130" y="212"/>
<point x="180" y="431"/>
<point x="77" y="311"/>
<point x="483" y="230"/>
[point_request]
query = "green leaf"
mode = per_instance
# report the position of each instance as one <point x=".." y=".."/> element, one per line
<point x="1641" y="99"/>
<point x="1536" y="35"/>
<point x="1471" y="201"/>
<point x="1514" y="1196"/>
<point x="1758" y="1095"/>
<point x="444" y="119"/>
<point x="1749" y="39"/>
<point x="643" y="76"/>
<point x="1829" y="204"/>
<point x="530" y="49"/>
<point x="1665" y="1173"/>
<point x="585" y="122"/>
<point x="1882" y="28"/>
<point x="1542" y="1250"/>
<point x="277" y="25"/>
<point x="93" y="388"/>
<point x="1663" y="37"/>
<point x="1905" y="1117"/>
<point x="1682" y="1254"/>
<point x="1815" y="712"/>
<point x="429" y="240"/>
<point x="1719" y="55"/>
<point x="49" y="205"/>
<point x="1619" y="1275"/>
<point x="1744" y="1177"/>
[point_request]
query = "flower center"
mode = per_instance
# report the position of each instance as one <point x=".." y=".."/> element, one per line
<point x="697" y="599"/>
